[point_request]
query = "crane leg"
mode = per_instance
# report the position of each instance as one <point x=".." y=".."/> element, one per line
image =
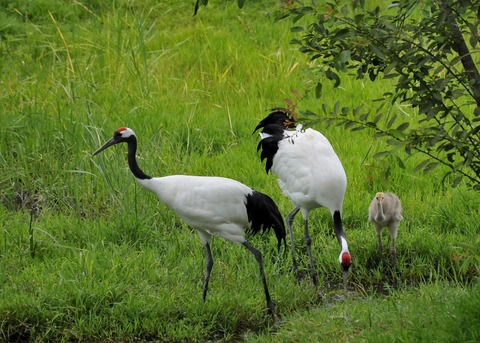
<point x="378" y="229"/>
<point x="289" y="219"/>
<point x="380" y="244"/>
<point x="258" y="257"/>
<point x="209" y="269"/>
<point x="393" y="252"/>
<point x="308" y="242"/>
<point x="393" y="236"/>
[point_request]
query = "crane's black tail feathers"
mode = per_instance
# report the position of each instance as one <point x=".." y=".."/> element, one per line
<point x="264" y="215"/>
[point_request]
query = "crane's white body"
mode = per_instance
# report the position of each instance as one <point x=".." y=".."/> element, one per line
<point x="196" y="200"/>
<point x="310" y="174"/>
<point x="318" y="178"/>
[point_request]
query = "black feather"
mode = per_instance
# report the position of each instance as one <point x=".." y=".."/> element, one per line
<point x="264" y="215"/>
<point x="274" y="124"/>
<point x="269" y="147"/>
<point x="278" y="116"/>
<point x="274" y="129"/>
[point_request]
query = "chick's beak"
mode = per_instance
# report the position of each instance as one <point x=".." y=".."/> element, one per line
<point x="108" y="143"/>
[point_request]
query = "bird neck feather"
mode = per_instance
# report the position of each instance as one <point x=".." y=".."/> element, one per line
<point x="337" y="223"/>
<point x="380" y="215"/>
<point x="132" y="161"/>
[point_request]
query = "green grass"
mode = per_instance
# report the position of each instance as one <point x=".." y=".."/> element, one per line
<point x="88" y="255"/>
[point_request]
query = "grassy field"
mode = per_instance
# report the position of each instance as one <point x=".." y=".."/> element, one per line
<point x="86" y="254"/>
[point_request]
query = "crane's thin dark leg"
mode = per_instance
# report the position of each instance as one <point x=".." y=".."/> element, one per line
<point x="209" y="269"/>
<point x="393" y="236"/>
<point x="308" y="242"/>
<point x="290" y="218"/>
<point x="258" y="257"/>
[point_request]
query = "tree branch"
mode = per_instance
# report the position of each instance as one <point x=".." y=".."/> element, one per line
<point x="462" y="50"/>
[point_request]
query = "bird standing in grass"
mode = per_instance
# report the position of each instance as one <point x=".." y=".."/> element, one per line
<point x="213" y="206"/>
<point x="386" y="211"/>
<point x="309" y="173"/>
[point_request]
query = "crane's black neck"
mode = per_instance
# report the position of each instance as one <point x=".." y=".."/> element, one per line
<point x="132" y="160"/>
<point x="337" y="223"/>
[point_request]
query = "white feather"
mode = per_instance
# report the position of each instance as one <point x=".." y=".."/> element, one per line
<point x="319" y="177"/>
<point x="264" y="135"/>
<point x="195" y="199"/>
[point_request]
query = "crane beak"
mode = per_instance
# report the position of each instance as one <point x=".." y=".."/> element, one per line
<point x="108" y="143"/>
<point x="345" y="279"/>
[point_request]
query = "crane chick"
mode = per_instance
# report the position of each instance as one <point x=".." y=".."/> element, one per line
<point x="386" y="211"/>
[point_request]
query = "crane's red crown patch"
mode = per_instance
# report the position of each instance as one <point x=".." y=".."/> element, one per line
<point x="346" y="259"/>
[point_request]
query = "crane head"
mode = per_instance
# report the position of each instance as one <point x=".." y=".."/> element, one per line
<point x="123" y="134"/>
<point x="345" y="262"/>
<point x="380" y="196"/>
<point x="278" y="116"/>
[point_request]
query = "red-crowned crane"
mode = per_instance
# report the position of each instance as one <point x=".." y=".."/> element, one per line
<point x="309" y="173"/>
<point x="213" y="206"/>
<point x="386" y="211"/>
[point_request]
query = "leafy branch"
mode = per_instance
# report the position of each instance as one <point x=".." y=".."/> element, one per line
<point x="428" y="59"/>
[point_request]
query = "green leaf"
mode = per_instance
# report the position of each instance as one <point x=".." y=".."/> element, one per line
<point x="335" y="107"/>
<point x="357" y="109"/>
<point x="430" y="166"/>
<point x="393" y="142"/>
<point x="473" y="34"/>
<point x="397" y="134"/>
<point x="402" y="127"/>
<point x="391" y="121"/>
<point x="377" y="118"/>
<point x="456" y="181"/>
<point x="363" y="117"/>
<point x="359" y="127"/>
<point x="296" y="29"/>
<point x="382" y="154"/>
<point x="377" y="51"/>
<point x="318" y="90"/>
<point x="333" y="76"/>
<point x="400" y="162"/>
<point x="308" y="113"/>
<point x="345" y="56"/>
<point x="324" y="108"/>
<point x="421" y="165"/>
<point x="349" y="124"/>
<point x="359" y="18"/>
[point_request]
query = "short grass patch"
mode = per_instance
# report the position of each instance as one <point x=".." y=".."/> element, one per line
<point x="86" y="254"/>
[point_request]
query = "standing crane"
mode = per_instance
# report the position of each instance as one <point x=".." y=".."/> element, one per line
<point x="386" y="211"/>
<point x="309" y="173"/>
<point x="213" y="206"/>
